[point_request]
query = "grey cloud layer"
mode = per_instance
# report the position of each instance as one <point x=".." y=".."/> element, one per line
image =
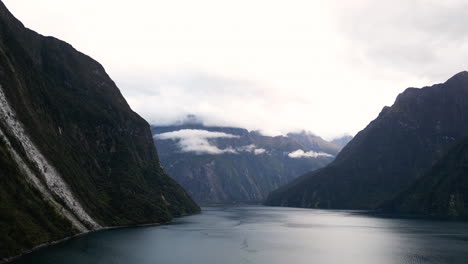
<point x="390" y="45"/>
<point x="425" y="38"/>
<point x="328" y="66"/>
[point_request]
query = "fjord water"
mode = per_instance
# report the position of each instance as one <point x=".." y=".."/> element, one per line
<point x="268" y="235"/>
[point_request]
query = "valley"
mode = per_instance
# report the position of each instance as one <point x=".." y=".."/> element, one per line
<point x="229" y="139"/>
<point x="234" y="165"/>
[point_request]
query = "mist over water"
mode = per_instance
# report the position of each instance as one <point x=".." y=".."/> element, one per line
<point x="261" y="235"/>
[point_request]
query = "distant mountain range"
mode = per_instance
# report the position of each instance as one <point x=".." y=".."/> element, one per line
<point x="233" y="165"/>
<point x="342" y="141"/>
<point x="392" y="153"/>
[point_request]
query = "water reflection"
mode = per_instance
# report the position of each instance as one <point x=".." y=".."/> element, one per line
<point x="255" y="234"/>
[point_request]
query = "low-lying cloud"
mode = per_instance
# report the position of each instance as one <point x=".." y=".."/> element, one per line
<point x="247" y="148"/>
<point x="251" y="148"/>
<point x="198" y="142"/>
<point x="309" y="154"/>
<point x="259" y="151"/>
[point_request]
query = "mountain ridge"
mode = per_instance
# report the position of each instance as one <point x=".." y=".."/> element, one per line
<point x="72" y="147"/>
<point x="244" y="168"/>
<point x="389" y="154"/>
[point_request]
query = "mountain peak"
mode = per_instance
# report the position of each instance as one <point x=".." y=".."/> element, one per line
<point x="459" y="80"/>
<point x="390" y="153"/>
<point x="462" y="74"/>
<point x="187" y="120"/>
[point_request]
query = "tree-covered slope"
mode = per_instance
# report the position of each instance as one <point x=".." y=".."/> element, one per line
<point x="442" y="191"/>
<point x="88" y="153"/>
<point x="389" y="154"/>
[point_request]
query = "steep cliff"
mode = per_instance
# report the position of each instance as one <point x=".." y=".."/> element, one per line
<point x="441" y="192"/>
<point x="387" y="156"/>
<point x="72" y="150"/>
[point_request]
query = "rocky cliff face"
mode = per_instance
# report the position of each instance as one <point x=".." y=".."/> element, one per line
<point x="229" y="165"/>
<point x="441" y="192"/>
<point x="74" y="156"/>
<point x="389" y="154"/>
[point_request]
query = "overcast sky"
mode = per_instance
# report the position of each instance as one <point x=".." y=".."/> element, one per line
<point x="326" y="66"/>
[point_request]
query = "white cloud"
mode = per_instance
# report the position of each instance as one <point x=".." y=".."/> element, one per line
<point x="310" y="154"/>
<point x="248" y="148"/>
<point x="197" y="141"/>
<point x="251" y="148"/>
<point x="259" y="151"/>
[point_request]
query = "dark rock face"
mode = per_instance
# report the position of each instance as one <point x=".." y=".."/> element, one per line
<point x="76" y="117"/>
<point x="242" y="175"/>
<point x="389" y="154"/>
<point x="441" y="192"/>
<point x="26" y="219"/>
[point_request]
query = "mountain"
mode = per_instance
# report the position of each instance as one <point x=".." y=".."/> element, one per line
<point x="342" y="141"/>
<point x="313" y="142"/>
<point x="74" y="157"/>
<point x="442" y="191"/>
<point x="229" y="165"/>
<point x="386" y="157"/>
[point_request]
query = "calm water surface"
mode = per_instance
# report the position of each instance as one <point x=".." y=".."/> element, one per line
<point x="261" y="235"/>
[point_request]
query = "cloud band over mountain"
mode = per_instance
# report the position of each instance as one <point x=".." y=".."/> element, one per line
<point x="198" y="141"/>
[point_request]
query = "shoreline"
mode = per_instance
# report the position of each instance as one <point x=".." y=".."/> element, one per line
<point x="55" y="242"/>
